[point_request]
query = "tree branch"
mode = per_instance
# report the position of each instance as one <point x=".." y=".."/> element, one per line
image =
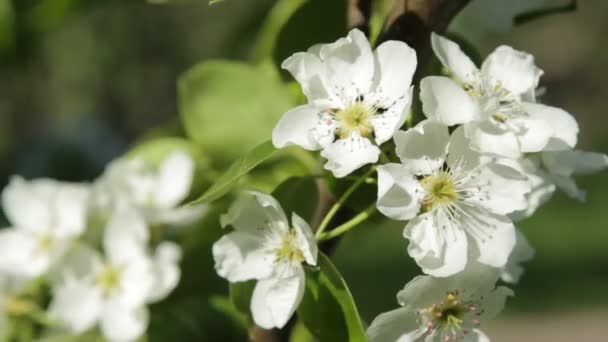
<point x="359" y="13"/>
<point x="412" y="21"/>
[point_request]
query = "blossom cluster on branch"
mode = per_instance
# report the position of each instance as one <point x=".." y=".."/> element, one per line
<point x="98" y="250"/>
<point x="483" y="154"/>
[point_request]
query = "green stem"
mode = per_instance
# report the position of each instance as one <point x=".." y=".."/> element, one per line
<point x="350" y="224"/>
<point x="334" y="209"/>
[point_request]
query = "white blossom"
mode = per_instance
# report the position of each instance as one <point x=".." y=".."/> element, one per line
<point x="357" y="99"/>
<point x="496" y="103"/>
<point x="156" y="191"/>
<point x="45" y="216"/>
<point x="456" y="200"/>
<point x="113" y="290"/>
<point x="263" y="246"/>
<point x="442" y="309"/>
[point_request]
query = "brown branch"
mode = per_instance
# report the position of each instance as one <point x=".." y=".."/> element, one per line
<point x="359" y="12"/>
<point x="412" y="21"/>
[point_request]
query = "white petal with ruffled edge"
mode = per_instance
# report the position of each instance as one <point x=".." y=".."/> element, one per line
<point x="346" y="155"/>
<point x="564" y="127"/>
<point x="241" y="256"/>
<point x="296" y="128"/>
<point x="399" y="193"/>
<point x="444" y="100"/>
<point x="76" y="304"/>
<point x="486" y="137"/>
<point x="174" y="179"/>
<point x="275" y="300"/>
<point x="397" y="325"/>
<point x="512" y="69"/>
<point x="452" y="57"/>
<point x="423" y="148"/>
<point x="437" y="245"/>
<point x="120" y="324"/>
<point x="395" y="64"/>
<point x="305" y="239"/>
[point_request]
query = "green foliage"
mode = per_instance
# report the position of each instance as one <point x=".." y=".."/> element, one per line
<point x="227" y="107"/>
<point x="299" y="195"/>
<point x="317" y="21"/>
<point x="239" y="168"/>
<point x="328" y="309"/>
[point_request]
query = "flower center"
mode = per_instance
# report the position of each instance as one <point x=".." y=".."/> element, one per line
<point x="108" y="279"/>
<point x="355" y="118"/>
<point x="452" y="318"/>
<point x="45" y="242"/>
<point x="440" y="190"/>
<point x="289" y="251"/>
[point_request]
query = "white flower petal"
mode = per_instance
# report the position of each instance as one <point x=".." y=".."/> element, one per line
<point x="514" y="70"/>
<point x="20" y="255"/>
<point x="27" y="205"/>
<point x="396" y="325"/>
<point x="444" y="100"/>
<point x="460" y="153"/>
<point x="76" y="304"/>
<point x="423" y="148"/>
<point x="254" y="211"/>
<point x="504" y="189"/>
<point x="181" y="216"/>
<point x="424" y="291"/>
<point x="119" y="324"/>
<point x="386" y="124"/>
<point x="174" y="179"/>
<point x="494" y="236"/>
<point x="240" y="256"/>
<point x="350" y="64"/>
<point x="126" y="235"/>
<point x="166" y="270"/>
<point x="310" y="72"/>
<point x="437" y="245"/>
<point x="569" y="162"/>
<point x="569" y="186"/>
<point x="522" y="252"/>
<point x="275" y="300"/>
<point x="488" y="138"/>
<point x="305" y="238"/>
<point x="452" y="57"/>
<point x="534" y="136"/>
<point x="399" y="193"/>
<point x="563" y="124"/>
<point x="346" y="155"/>
<point x="395" y="66"/>
<point x="495" y="302"/>
<point x="295" y="128"/>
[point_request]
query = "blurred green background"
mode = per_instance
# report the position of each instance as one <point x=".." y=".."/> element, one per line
<point x="82" y="80"/>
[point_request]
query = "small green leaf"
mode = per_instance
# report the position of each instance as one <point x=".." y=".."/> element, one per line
<point x="239" y="168"/>
<point x="328" y="309"/>
<point x="299" y="195"/>
<point x="541" y="12"/>
<point x="227" y="107"/>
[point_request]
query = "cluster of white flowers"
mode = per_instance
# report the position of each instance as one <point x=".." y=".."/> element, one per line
<point x="92" y="245"/>
<point x="486" y="155"/>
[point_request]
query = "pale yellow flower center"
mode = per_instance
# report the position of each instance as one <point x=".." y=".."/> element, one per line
<point x="355" y="118"/>
<point x="289" y="250"/>
<point x="440" y="190"/>
<point x="108" y="279"/>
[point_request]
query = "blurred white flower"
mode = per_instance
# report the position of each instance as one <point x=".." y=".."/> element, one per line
<point x="45" y="216"/>
<point x="157" y="192"/>
<point x="113" y="290"/>
<point x="452" y="197"/>
<point x="357" y="99"/>
<point x="522" y="252"/>
<point x="265" y="248"/>
<point x="10" y="287"/>
<point x="442" y="309"/>
<point x="496" y="103"/>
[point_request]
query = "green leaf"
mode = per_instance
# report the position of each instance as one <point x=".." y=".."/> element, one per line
<point x="317" y="21"/>
<point x="227" y="107"/>
<point x="541" y="12"/>
<point x="239" y="168"/>
<point x="328" y="309"/>
<point x="299" y="195"/>
<point x="240" y="296"/>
